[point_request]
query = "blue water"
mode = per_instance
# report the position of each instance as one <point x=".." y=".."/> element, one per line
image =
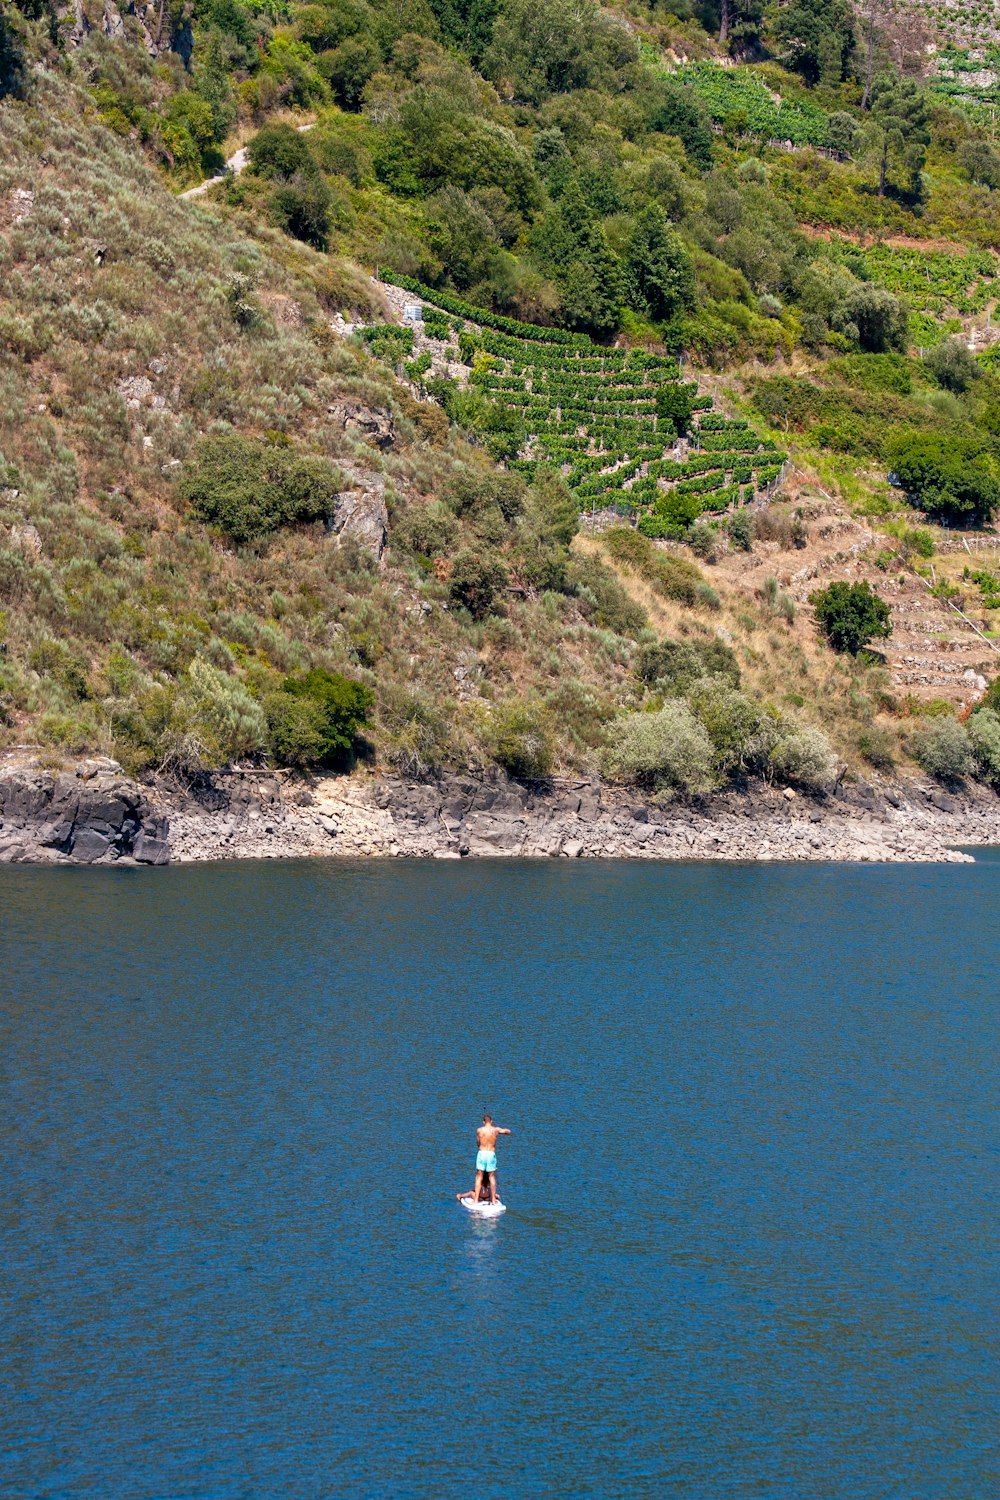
<point x="751" y="1246"/>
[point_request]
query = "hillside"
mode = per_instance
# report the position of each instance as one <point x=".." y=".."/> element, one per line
<point x="679" y="323"/>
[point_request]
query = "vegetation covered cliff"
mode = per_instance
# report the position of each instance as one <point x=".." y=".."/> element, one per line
<point x="705" y="324"/>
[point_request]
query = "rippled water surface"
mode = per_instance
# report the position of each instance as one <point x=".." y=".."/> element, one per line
<point x="751" y="1246"/>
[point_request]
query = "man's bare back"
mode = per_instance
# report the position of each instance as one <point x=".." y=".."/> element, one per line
<point x="486" y="1156"/>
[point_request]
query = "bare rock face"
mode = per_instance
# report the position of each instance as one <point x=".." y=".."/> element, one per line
<point x="93" y="815"/>
<point x="361" y="512"/>
<point x="376" y="427"/>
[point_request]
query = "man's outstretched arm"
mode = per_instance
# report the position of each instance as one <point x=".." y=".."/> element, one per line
<point x="502" y="1130"/>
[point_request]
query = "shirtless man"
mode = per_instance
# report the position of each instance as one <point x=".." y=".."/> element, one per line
<point x="486" y="1157"/>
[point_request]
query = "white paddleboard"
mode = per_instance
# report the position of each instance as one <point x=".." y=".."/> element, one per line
<point x="486" y="1210"/>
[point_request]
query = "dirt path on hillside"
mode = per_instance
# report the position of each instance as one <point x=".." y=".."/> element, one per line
<point x="894" y="241"/>
<point x="234" y="166"/>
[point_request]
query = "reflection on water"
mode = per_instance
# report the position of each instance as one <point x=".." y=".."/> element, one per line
<point x="750" y="1248"/>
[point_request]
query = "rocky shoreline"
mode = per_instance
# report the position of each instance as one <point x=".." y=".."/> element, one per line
<point x="93" y="814"/>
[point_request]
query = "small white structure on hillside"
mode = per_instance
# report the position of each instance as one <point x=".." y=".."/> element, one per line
<point x="413" y="312"/>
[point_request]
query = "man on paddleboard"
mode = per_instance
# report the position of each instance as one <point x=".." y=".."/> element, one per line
<point x="486" y="1157"/>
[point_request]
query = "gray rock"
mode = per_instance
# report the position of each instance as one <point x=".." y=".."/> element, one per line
<point x="377" y="427"/>
<point x="89" y="846"/>
<point x="363" y="516"/>
<point x="572" y="849"/>
<point x="150" y="851"/>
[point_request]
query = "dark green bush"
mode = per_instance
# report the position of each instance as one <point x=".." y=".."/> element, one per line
<point x="478" y="582"/>
<point x="949" y="477"/>
<point x="278" y="151"/>
<point x="315" y="719"/>
<point x="250" y="488"/>
<point x="301" y="208"/>
<point x="674" y="666"/>
<point x="850" y="615"/>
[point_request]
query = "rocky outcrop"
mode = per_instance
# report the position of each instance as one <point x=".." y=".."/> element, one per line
<point x="355" y="418"/>
<point x="268" y="815"/>
<point x="96" y="815"/>
<point x="92" y="815"/>
<point x="360" y="514"/>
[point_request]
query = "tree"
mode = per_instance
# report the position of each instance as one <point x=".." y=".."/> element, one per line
<point x="874" y="318"/>
<point x="13" y="64"/>
<point x="348" y="68"/>
<point x="954" y="479"/>
<point x="278" y="151"/>
<point x="953" y="365"/>
<point x="570" y="246"/>
<point x="659" y="272"/>
<point x="340" y="706"/>
<point x="675" y="403"/>
<point x="899" y="133"/>
<point x="850" y="615"/>
<point x="677" y="112"/>
<point x="740" y="23"/>
<point x="543" y="47"/>
<point x="818" y="36"/>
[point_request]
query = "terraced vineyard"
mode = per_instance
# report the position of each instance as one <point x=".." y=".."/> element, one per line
<point x="936" y="284"/>
<point x="619" y="425"/>
<point x="739" y="99"/>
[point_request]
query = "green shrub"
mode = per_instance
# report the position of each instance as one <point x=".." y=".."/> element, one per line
<point x="983" y="730"/>
<point x="478" y="582"/>
<point x="426" y="531"/>
<point x="953" y="365"/>
<point x="851" y="615"/>
<point x="671" y="577"/>
<point x="314" y="719"/>
<point x="677" y="509"/>
<point x="742" y="732"/>
<point x="945" y="476"/>
<point x="877" y="746"/>
<point x="223" y="714"/>
<point x="740" y="530"/>
<point x="295" y="725"/>
<point x="603" y="597"/>
<point x="941" y="747"/>
<point x="674" y="666"/>
<point x="803" y="756"/>
<point x="519" y="738"/>
<point x="666" y="749"/>
<point x="250" y="488"/>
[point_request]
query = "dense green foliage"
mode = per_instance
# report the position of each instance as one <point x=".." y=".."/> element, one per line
<point x="314" y="719"/>
<point x="955" y="480"/>
<point x="249" y="489"/>
<point x="851" y="615"/>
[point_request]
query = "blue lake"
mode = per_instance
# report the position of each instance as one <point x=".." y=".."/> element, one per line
<point x="751" y="1246"/>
